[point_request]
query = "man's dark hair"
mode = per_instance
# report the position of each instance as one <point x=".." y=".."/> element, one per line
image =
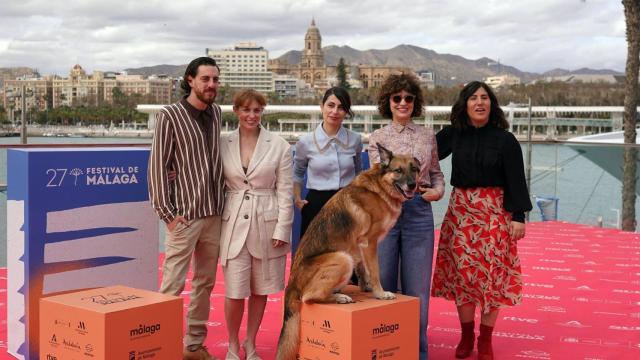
<point x="192" y="70"/>
<point x="459" y="117"/>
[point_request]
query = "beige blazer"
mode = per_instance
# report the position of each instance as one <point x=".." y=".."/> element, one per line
<point x="259" y="204"/>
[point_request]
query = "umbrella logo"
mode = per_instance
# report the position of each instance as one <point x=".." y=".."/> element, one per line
<point x="76" y="172"/>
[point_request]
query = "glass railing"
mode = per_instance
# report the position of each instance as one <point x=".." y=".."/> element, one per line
<point x="580" y="180"/>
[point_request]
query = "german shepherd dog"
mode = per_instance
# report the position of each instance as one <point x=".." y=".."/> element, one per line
<point x="345" y="233"/>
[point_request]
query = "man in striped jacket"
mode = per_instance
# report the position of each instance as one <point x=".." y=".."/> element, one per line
<point x="186" y="141"/>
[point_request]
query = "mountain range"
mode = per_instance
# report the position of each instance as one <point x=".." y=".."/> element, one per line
<point x="448" y="69"/>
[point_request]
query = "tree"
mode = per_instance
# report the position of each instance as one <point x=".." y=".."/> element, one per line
<point x="3" y="115"/>
<point x="632" y="19"/>
<point x="341" y="73"/>
<point x="119" y="97"/>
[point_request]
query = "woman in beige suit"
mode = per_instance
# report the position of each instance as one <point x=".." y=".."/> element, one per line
<point x="256" y="221"/>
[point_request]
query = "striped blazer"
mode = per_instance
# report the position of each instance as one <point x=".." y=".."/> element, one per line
<point x="179" y="143"/>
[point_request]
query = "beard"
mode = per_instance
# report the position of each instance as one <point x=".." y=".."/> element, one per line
<point x="205" y="97"/>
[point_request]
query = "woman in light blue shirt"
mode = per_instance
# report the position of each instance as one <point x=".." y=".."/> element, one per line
<point x="330" y="155"/>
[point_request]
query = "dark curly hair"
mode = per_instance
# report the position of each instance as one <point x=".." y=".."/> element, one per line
<point x="395" y="84"/>
<point x="192" y="70"/>
<point x="459" y="117"/>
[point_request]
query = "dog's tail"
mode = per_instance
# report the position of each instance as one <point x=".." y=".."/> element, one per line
<point x="290" y="334"/>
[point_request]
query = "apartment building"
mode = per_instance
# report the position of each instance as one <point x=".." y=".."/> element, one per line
<point x="244" y="66"/>
<point x="37" y="95"/>
<point x="502" y="80"/>
<point x="80" y="88"/>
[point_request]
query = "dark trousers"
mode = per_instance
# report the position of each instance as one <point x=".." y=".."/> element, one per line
<point x="316" y="200"/>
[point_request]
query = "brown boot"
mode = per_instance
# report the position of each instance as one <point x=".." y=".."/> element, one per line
<point x="485" y="350"/>
<point x="465" y="346"/>
<point x="197" y="352"/>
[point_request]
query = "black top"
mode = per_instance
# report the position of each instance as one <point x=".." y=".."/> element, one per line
<point x="486" y="157"/>
<point x="203" y="117"/>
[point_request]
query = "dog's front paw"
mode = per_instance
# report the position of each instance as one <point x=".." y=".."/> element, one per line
<point x="342" y="298"/>
<point x="385" y="295"/>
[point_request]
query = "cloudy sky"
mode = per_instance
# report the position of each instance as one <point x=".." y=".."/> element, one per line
<point x="533" y="35"/>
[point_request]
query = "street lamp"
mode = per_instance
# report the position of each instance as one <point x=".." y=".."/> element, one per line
<point x="23" y="126"/>
<point x="24" y="92"/>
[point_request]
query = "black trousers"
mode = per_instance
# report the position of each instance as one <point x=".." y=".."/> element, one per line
<point x="316" y="200"/>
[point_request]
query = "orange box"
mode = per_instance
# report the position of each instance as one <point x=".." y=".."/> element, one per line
<point x="115" y="322"/>
<point x="368" y="329"/>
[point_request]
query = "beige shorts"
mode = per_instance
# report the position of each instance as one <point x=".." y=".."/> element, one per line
<point x="243" y="276"/>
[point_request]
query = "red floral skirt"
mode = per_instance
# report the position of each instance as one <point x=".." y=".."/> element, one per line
<point x="477" y="262"/>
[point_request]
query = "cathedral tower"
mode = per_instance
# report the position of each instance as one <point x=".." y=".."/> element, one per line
<point x="312" y="55"/>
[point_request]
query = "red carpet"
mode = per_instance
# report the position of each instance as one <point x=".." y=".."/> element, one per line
<point x="581" y="301"/>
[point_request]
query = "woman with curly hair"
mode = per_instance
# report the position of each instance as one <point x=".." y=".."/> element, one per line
<point x="409" y="244"/>
<point x="477" y="263"/>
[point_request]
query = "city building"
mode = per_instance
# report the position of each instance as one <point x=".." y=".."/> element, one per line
<point x="37" y="96"/>
<point x="427" y="78"/>
<point x="159" y="89"/>
<point x="244" y="66"/>
<point x="372" y="76"/>
<point x="80" y="89"/>
<point x="290" y="87"/>
<point x="502" y="80"/>
<point x="584" y="78"/>
<point x="311" y="68"/>
<point x="320" y="76"/>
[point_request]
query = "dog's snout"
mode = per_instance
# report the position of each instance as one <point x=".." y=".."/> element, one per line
<point x="411" y="184"/>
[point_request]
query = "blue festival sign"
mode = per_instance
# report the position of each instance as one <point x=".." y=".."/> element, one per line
<point x="77" y="218"/>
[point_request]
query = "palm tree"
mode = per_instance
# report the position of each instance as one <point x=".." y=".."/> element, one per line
<point x="632" y="19"/>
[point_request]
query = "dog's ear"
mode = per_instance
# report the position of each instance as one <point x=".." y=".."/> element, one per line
<point x="416" y="162"/>
<point x="385" y="155"/>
